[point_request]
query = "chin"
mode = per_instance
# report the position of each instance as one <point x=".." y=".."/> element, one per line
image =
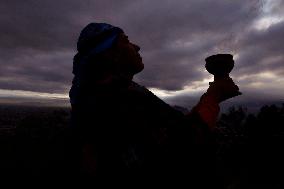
<point x="141" y="66"/>
<point x="138" y="68"/>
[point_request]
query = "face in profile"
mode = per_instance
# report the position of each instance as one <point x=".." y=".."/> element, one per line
<point x="129" y="57"/>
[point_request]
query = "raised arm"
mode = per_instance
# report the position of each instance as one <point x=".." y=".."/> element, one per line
<point x="208" y="108"/>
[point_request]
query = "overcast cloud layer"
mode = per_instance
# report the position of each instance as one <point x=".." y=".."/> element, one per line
<point x="38" y="41"/>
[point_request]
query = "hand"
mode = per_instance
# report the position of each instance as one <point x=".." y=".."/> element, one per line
<point x="223" y="89"/>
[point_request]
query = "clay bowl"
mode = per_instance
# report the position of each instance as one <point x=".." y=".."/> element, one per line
<point x="219" y="64"/>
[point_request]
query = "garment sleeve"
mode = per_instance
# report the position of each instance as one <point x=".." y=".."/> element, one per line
<point x="181" y="146"/>
<point x="206" y="110"/>
<point x="197" y="126"/>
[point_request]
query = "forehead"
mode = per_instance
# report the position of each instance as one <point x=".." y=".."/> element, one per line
<point x="122" y="39"/>
<point x="122" y="36"/>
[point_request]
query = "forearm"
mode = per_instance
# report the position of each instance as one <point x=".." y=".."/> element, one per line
<point x="206" y="110"/>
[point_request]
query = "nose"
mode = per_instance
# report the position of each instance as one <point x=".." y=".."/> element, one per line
<point x="137" y="48"/>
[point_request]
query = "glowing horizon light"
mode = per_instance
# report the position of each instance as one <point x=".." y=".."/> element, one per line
<point x="193" y="89"/>
<point x="31" y="94"/>
<point x="259" y="76"/>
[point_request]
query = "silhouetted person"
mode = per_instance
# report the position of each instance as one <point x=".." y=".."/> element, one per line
<point x="124" y="133"/>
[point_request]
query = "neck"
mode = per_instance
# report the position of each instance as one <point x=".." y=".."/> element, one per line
<point x="121" y="80"/>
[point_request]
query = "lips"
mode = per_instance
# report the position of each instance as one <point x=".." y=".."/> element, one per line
<point x="138" y="55"/>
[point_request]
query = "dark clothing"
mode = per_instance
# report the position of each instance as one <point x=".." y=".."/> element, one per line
<point x="136" y="137"/>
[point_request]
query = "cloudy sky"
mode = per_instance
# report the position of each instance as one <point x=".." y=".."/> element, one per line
<point x="38" y="42"/>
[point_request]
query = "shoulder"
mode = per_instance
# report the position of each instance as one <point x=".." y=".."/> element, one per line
<point x="145" y="93"/>
<point x="135" y="87"/>
<point x="149" y="98"/>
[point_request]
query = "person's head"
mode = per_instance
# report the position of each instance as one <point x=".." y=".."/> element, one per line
<point x="106" y="50"/>
<point x="126" y="55"/>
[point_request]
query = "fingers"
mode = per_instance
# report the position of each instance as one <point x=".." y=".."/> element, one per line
<point x="223" y="89"/>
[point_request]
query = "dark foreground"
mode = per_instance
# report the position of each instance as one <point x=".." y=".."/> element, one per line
<point x="249" y="153"/>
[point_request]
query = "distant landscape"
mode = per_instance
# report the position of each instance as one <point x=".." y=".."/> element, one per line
<point x="249" y="149"/>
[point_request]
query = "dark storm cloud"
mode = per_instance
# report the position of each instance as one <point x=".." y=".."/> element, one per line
<point x="38" y="39"/>
<point x="48" y="25"/>
<point x="268" y="47"/>
<point x="40" y="25"/>
<point x="37" y="71"/>
<point x="179" y="35"/>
